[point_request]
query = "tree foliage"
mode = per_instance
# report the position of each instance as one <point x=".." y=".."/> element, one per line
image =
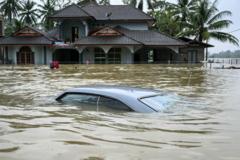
<point x="84" y="2"/>
<point x="29" y="13"/>
<point x="226" y="54"/>
<point x="10" y="9"/>
<point x="104" y="2"/>
<point x="199" y="19"/>
<point x="46" y="9"/>
<point x="140" y="4"/>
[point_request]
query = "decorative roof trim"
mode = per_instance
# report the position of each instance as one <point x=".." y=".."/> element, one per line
<point x="106" y="31"/>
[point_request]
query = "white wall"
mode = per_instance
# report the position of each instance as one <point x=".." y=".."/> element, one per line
<point x="38" y="54"/>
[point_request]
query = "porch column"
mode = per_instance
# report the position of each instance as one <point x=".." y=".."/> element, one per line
<point x="86" y="28"/>
<point x="6" y="55"/>
<point x="45" y="55"/>
<point x="130" y="57"/>
<point x="106" y="49"/>
<point x="176" y="50"/>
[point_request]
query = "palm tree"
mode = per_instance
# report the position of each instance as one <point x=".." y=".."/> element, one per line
<point x="28" y="13"/>
<point x="182" y="9"/>
<point x="207" y="22"/>
<point x="62" y="3"/>
<point x="151" y="4"/>
<point x="46" y="9"/>
<point x="18" y="25"/>
<point x="10" y="8"/>
<point x="167" y="22"/>
<point x="104" y="2"/>
<point x="83" y="2"/>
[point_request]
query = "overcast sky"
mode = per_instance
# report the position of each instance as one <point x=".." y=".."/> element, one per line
<point x="234" y="7"/>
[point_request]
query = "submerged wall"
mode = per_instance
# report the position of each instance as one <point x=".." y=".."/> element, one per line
<point x="38" y="51"/>
<point x="89" y="55"/>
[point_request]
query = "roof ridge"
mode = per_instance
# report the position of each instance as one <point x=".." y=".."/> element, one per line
<point x="83" y="9"/>
<point x="73" y="4"/>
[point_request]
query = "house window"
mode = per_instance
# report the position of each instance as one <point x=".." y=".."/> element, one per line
<point x="100" y="56"/>
<point x="151" y="56"/>
<point x="114" y="56"/>
<point x="75" y="34"/>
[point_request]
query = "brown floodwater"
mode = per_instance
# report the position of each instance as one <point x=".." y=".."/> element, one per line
<point x="203" y="124"/>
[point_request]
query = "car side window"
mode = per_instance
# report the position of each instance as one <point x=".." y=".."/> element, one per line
<point x="79" y="98"/>
<point x="97" y="102"/>
<point x="112" y="104"/>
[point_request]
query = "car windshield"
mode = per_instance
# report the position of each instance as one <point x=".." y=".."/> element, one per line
<point x="158" y="102"/>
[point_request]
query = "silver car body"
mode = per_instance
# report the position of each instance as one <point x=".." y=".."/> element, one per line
<point x="127" y="95"/>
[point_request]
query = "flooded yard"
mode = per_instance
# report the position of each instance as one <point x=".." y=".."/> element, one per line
<point x="204" y="123"/>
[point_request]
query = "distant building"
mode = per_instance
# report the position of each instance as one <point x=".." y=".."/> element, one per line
<point x="99" y="34"/>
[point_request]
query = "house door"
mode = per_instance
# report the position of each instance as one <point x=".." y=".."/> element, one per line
<point x="192" y="57"/>
<point x="25" y="56"/>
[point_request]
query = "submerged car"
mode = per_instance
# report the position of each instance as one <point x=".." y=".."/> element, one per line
<point x="117" y="98"/>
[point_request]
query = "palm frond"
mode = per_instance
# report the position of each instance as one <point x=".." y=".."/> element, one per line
<point x="219" y="16"/>
<point x="220" y="24"/>
<point x="224" y="37"/>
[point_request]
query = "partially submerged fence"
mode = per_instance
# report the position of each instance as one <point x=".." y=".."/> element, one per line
<point x="231" y="61"/>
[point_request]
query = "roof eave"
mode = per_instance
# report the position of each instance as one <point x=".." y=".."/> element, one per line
<point x="107" y="44"/>
<point x="62" y="18"/>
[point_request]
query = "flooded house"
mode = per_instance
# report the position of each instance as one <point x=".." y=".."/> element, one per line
<point x="99" y="34"/>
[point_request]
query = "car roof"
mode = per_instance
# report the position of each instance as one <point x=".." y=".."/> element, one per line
<point x="116" y="91"/>
<point x="128" y="95"/>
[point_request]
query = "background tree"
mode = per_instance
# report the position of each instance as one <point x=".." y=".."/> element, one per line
<point x="140" y="3"/>
<point x="182" y="9"/>
<point x="207" y="23"/>
<point x="28" y="13"/>
<point x="10" y="8"/>
<point x="167" y="22"/>
<point x="46" y="9"/>
<point x="10" y="28"/>
<point x="104" y="2"/>
<point x="62" y="4"/>
<point x="84" y="2"/>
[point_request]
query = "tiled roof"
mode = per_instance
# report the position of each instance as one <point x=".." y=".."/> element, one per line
<point x="41" y="40"/>
<point x="132" y="37"/>
<point x="116" y="12"/>
<point x="192" y="42"/>
<point x="108" y="40"/>
<point x="71" y="11"/>
<point x="151" y="38"/>
<point x="102" y="12"/>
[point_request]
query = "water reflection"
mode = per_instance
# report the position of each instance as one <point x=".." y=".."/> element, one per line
<point x="203" y="122"/>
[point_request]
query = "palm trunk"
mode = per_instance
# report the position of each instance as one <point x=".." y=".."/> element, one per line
<point x="206" y="58"/>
